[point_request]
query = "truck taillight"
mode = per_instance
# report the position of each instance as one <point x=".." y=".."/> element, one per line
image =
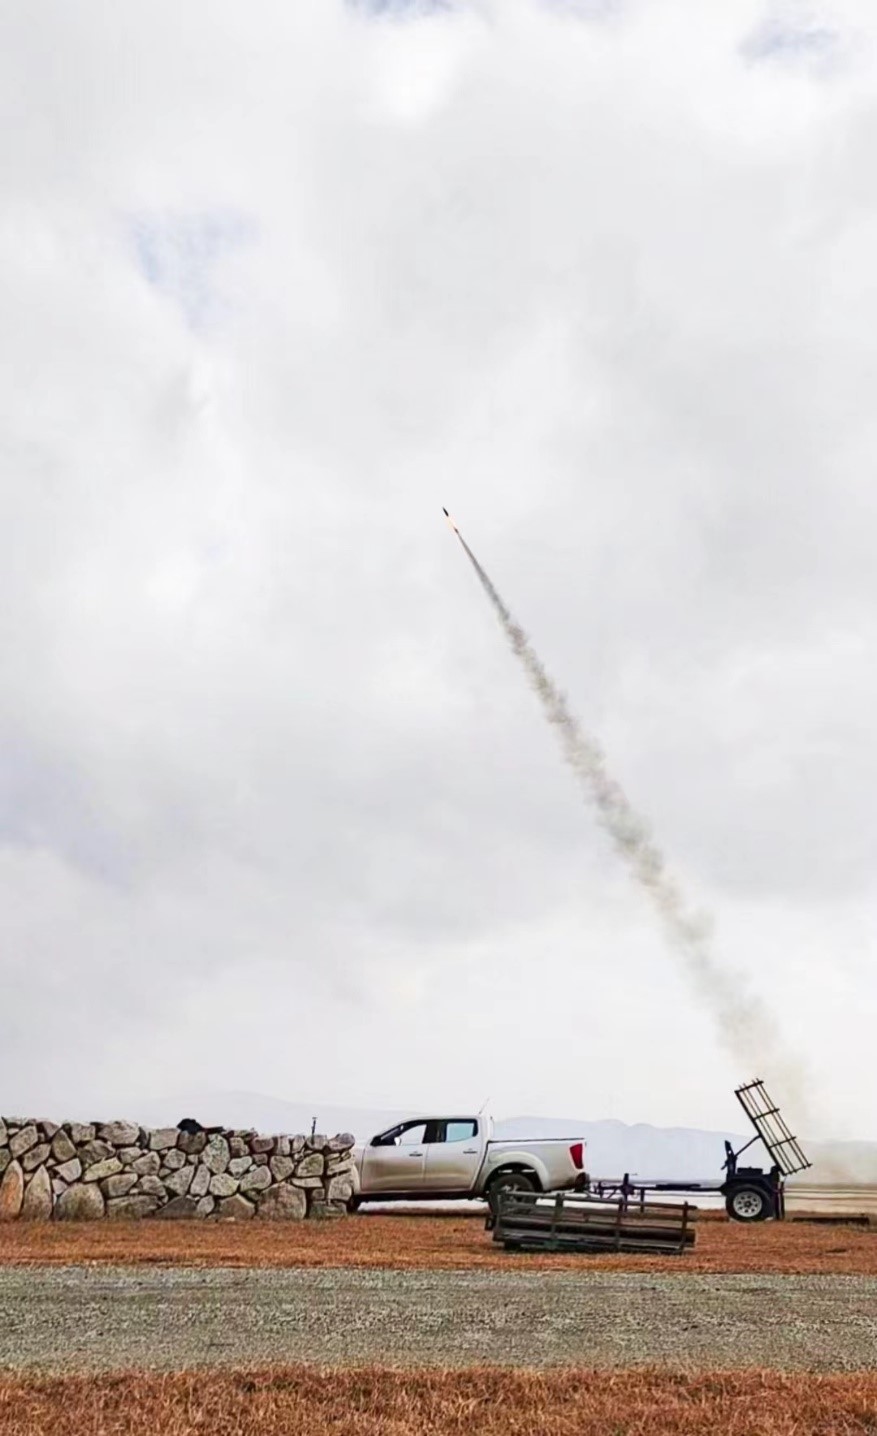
<point x="577" y="1152"/>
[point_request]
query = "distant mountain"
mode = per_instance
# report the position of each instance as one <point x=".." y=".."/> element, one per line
<point x="686" y="1153"/>
<point x="266" y="1114"/>
<point x="612" y="1148"/>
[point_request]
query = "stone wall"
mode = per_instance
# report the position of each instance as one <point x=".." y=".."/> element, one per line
<point x="76" y="1170"/>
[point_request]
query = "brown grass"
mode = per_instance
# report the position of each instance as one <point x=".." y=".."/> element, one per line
<point x="424" y="1241"/>
<point x="375" y="1402"/>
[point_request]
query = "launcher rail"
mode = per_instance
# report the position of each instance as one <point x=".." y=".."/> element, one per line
<point x="576" y="1222"/>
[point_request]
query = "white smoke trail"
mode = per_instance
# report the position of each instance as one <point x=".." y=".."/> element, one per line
<point x="745" y="1027"/>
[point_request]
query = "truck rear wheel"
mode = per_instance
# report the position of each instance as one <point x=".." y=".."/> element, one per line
<point x="510" y="1182"/>
<point x="748" y="1204"/>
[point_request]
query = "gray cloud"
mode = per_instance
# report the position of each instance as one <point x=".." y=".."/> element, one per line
<point x="267" y="774"/>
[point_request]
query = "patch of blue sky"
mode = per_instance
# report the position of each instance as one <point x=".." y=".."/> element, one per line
<point x="588" y="9"/>
<point x="178" y="254"/>
<point x="402" y="8"/>
<point x="785" y="41"/>
<point x="411" y="9"/>
<point x="46" y="804"/>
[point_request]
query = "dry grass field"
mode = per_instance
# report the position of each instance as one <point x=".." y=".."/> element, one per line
<point x="360" y="1400"/>
<point x="376" y="1402"/>
<point x="425" y="1242"/>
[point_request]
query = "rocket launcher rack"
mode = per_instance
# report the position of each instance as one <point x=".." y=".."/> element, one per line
<point x="770" y="1129"/>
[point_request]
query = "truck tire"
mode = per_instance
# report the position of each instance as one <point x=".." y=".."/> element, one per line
<point x="749" y="1204"/>
<point x="510" y="1182"/>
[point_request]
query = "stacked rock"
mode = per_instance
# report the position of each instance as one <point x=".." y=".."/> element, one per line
<point x="77" y="1170"/>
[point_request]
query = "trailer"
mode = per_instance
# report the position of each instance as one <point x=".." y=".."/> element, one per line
<point x="752" y="1194"/>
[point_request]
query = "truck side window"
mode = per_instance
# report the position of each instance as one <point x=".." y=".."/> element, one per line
<point x="404" y="1135"/>
<point x="412" y="1136"/>
<point x="461" y="1131"/>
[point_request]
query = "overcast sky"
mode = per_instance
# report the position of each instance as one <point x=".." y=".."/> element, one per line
<point x="278" y="282"/>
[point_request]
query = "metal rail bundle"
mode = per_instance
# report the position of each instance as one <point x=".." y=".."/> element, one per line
<point x="567" y="1221"/>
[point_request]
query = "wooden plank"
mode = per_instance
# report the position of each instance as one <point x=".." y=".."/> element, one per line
<point x="681" y="1236"/>
<point x="564" y="1216"/>
<point x="595" y="1248"/>
<point x="597" y="1218"/>
<point x="559" y="1223"/>
<point x="604" y="1238"/>
<point x="671" y="1210"/>
<point x="591" y="1241"/>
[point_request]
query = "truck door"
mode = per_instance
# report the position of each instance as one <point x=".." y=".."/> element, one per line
<point x="453" y="1156"/>
<point x="395" y="1160"/>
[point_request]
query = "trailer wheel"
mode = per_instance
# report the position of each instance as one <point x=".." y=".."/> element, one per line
<point x="748" y="1204"/>
<point x="510" y="1182"/>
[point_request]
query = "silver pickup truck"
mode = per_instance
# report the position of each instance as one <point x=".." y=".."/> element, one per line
<point x="446" y="1158"/>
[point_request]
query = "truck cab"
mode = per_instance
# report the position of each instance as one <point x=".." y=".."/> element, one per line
<point x="429" y="1154"/>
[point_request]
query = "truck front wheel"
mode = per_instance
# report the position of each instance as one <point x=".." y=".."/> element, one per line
<point x="748" y="1204"/>
<point x="510" y="1182"/>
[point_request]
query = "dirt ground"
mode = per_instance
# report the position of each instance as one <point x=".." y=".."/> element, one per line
<point x="100" y="1318"/>
<point x="425" y="1242"/>
<point x="372" y="1402"/>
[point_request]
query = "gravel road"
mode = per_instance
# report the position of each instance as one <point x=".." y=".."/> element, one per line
<point x="87" y="1318"/>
